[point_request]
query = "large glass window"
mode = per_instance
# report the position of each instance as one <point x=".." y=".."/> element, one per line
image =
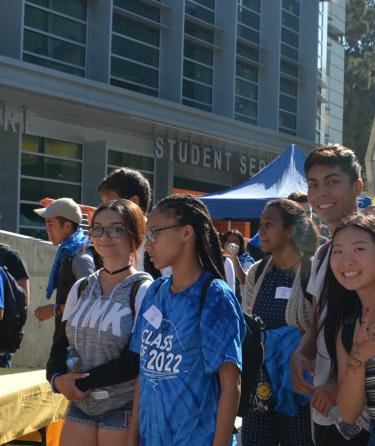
<point x="200" y="10"/>
<point x="135" y="46"/>
<point x="145" y="164"/>
<point x="55" y="34"/>
<point x="49" y="169"/>
<point x="198" y="56"/>
<point x="194" y="30"/>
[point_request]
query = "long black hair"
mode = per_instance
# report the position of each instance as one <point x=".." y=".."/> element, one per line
<point x="189" y="210"/>
<point x="305" y="235"/>
<point x="338" y="305"/>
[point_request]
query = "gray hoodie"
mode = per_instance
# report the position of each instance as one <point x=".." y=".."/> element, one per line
<point x="99" y="327"/>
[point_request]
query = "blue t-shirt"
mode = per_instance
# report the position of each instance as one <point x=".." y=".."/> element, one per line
<point x="181" y="350"/>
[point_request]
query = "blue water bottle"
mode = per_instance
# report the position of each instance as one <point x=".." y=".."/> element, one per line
<point x="72" y="359"/>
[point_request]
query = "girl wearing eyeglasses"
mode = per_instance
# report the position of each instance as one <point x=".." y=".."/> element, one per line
<point x="98" y="322"/>
<point x="189" y="334"/>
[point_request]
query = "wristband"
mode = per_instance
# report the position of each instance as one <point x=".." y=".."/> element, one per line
<point x="54" y="390"/>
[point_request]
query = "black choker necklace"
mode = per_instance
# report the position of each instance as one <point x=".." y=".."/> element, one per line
<point x="117" y="270"/>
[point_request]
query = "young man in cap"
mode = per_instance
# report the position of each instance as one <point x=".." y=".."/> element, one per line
<point x="72" y="261"/>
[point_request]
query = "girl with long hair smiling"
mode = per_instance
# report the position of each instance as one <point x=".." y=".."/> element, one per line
<point x="98" y="320"/>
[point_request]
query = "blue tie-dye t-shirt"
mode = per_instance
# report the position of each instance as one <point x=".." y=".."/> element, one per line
<point x="181" y="350"/>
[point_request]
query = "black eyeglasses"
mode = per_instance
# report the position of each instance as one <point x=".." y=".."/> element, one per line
<point x="110" y="231"/>
<point x="151" y="234"/>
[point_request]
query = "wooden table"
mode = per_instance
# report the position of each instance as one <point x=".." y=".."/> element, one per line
<point x="27" y="403"/>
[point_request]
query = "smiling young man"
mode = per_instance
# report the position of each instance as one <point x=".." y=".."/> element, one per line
<point x="72" y="261"/>
<point x="334" y="183"/>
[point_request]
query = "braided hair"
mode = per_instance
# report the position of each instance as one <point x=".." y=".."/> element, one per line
<point x="189" y="210"/>
<point x="305" y="236"/>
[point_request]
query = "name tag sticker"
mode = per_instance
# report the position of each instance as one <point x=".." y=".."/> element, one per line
<point x="100" y="394"/>
<point x="153" y="316"/>
<point x="283" y="292"/>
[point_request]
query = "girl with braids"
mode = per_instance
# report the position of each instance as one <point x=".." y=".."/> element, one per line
<point x="275" y="291"/>
<point x="189" y="334"/>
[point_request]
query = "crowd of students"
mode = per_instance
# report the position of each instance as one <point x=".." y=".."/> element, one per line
<point x="148" y="335"/>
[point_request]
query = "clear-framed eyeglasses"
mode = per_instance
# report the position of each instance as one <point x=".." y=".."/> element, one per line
<point x="110" y="231"/>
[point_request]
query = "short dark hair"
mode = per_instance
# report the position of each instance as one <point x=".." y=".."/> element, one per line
<point x="335" y="155"/>
<point x="126" y="183"/>
<point x="63" y="220"/>
<point x="298" y="197"/>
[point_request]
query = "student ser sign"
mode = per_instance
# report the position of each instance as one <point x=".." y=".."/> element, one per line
<point x="214" y="158"/>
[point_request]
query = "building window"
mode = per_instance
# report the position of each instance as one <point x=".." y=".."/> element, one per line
<point x="246" y="90"/>
<point x="144" y="164"/>
<point x="289" y="67"/>
<point x="201" y="9"/>
<point x="49" y="169"/>
<point x="135" y="46"/>
<point x="54" y="34"/>
<point x="198" y="54"/>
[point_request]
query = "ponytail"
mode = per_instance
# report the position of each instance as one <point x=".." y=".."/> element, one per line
<point x="305" y="236"/>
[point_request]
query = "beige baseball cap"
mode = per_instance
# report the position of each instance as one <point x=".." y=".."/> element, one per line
<point x="63" y="207"/>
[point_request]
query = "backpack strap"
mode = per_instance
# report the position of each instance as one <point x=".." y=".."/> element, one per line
<point x="133" y="294"/>
<point x="82" y="286"/>
<point x="3" y="254"/>
<point x="260" y="268"/>
<point x="307" y="295"/>
<point x="322" y="254"/>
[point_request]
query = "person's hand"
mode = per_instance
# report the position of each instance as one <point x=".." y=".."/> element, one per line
<point x="66" y="384"/>
<point x="232" y="250"/>
<point x="299" y="364"/>
<point x="324" y="397"/>
<point x="45" y="312"/>
<point x="363" y="343"/>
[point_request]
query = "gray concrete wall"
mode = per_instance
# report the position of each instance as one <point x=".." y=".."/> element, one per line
<point x="308" y="57"/>
<point x="269" y="57"/>
<point x="94" y="170"/>
<point x="11" y="20"/>
<point x="9" y="178"/>
<point x="99" y="17"/>
<point x="39" y="256"/>
<point x="171" y="51"/>
<point x="225" y="59"/>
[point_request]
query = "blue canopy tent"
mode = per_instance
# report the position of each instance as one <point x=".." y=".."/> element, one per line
<point x="246" y="201"/>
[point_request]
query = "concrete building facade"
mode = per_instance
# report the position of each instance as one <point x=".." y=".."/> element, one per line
<point x="197" y="94"/>
<point x="331" y="68"/>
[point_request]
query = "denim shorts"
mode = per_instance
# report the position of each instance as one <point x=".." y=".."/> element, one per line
<point x="118" y="419"/>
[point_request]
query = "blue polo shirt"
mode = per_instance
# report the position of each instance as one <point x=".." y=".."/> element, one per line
<point x="181" y="350"/>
